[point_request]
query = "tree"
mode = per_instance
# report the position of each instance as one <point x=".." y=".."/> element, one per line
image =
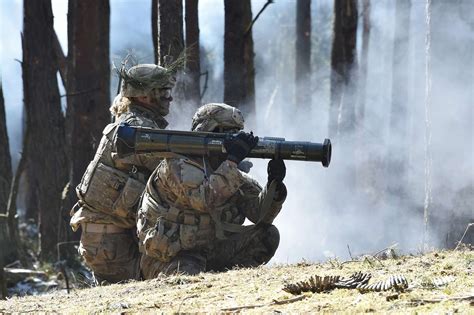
<point x="167" y="32"/>
<point x="167" y="29"/>
<point x="86" y="77"/>
<point x="47" y="158"/>
<point x="5" y="159"/>
<point x="239" y="72"/>
<point x="398" y="155"/>
<point x="362" y="172"/>
<point x="342" y="111"/>
<point x="193" y="69"/>
<point x="363" y="62"/>
<point x="303" y="53"/>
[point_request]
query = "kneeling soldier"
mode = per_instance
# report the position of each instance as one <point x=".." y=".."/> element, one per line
<point x="192" y="212"/>
<point x="111" y="187"/>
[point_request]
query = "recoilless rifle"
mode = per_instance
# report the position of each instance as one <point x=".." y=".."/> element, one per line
<point x="132" y="139"/>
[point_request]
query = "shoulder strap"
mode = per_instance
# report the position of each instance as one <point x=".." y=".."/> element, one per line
<point x="109" y="130"/>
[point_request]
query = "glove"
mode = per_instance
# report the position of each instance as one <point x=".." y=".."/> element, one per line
<point x="239" y="146"/>
<point x="276" y="170"/>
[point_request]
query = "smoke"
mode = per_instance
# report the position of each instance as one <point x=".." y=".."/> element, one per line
<point x="11" y="16"/>
<point x="323" y="214"/>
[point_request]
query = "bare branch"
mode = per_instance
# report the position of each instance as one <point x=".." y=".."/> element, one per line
<point x="206" y="75"/>
<point x="274" y="302"/>
<point x="11" y="207"/>
<point x="61" y="59"/>
<point x="81" y="92"/>
<point x="249" y="28"/>
<point x="460" y="241"/>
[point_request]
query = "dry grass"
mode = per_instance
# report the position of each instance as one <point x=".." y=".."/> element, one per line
<point x="261" y="290"/>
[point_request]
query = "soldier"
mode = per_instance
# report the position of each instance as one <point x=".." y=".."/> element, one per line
<point x="191" y="214"/>
<point x="111" y="186"/>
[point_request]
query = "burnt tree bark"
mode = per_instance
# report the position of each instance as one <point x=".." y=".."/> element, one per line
<point x="363" y="62"/>
<point x="86" y="77"/>
<point x="397" y="153"/>
<point x="168" y="38"/>
<point x="303" y="54"/>
<point x="239" y="71"/>
<point x="362" y="172"/>
<point x="342" y="109"/>
<point x="155" y="30"/>
<point x="167" y="29"/>
<point x="46" y="160"/>
<point x="5" y="158"/>
<point x="193" y="69"/>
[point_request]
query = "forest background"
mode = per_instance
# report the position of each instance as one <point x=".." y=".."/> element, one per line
<point x="398" y="108"/>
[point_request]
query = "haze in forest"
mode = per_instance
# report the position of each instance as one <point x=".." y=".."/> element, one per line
<point x="321" y="217"/>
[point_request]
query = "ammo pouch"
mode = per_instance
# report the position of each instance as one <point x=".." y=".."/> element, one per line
<point x="175" y="230"/>
<point x="109" y="190"/>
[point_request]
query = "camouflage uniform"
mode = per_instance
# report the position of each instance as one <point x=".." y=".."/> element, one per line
<point x="111" y="187"/>
<point x="190" y="218"/>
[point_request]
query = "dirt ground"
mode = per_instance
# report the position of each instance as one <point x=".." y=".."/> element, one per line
<point x="259" y="290"/>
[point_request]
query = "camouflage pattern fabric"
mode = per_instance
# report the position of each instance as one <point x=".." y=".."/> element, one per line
<point x="112" y="257"/>
<point x="108" y="194"/>
<point x="192" y="217"/>
<point x="142" y="79"/>
<point x="210" y="116"/>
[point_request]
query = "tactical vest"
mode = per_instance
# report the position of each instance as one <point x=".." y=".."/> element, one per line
<point x="166" y="229"/>
<point x="109" y="188"/>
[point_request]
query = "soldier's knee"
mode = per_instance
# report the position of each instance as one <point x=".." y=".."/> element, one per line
<point x="112" y="257"/>
<point x="271" y="238"/>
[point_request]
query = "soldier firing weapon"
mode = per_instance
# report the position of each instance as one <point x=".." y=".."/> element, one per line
<point x="132" y="139"/>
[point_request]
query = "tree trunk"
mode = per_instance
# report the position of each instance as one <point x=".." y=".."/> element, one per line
<point x="193" y="69"/>
<point x="362" y="172"/>
<point x="363" y="62"/>
<point x="342" y="111"/>
<point x="31" y="195"/>
<point x="88" y="89"/>
<point x="5" y="158"/>
<point x="239" y="72"/>
<point x="168" y="37"/>
<point x="154" y="30"/>
<point x="303" y="54"/>
<point x="398" y="155"/>
<point x="169" y="32"/>
<point x="47" y="159"/>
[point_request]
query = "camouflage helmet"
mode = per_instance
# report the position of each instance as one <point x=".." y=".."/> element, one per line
<point x="141" y="79"/>
<point x="210" y="116"/>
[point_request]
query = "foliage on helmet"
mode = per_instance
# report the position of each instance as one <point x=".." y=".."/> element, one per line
<point x="141" y="79"/>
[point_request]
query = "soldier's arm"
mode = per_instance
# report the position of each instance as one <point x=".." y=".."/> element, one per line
<point x="251" y="201"/>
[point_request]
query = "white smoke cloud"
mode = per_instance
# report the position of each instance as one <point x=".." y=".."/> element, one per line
<point x="322" y="214"/>
<point x="11" y="16"/>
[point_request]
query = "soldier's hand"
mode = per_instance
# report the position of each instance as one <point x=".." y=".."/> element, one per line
<point x="239" y="147"/>
<point x="276" y="170"/>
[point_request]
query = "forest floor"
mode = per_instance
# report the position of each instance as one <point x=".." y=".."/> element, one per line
<point x="259" y="290"/>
